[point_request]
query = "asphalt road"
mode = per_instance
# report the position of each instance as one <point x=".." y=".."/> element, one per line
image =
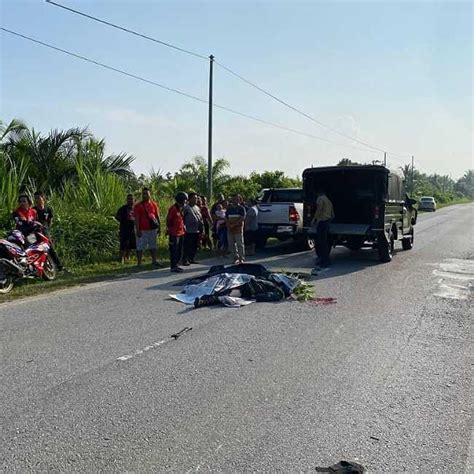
<point x="91" y="380"/>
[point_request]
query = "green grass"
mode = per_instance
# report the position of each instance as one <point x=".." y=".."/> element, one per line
<point x="452" y="203"/>
<point x="83" y="274"/>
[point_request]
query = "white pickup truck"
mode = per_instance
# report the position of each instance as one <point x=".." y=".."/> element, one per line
<point x="280" y="215"/>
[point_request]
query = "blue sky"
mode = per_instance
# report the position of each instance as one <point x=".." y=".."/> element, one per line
<point x="397" y="75"/>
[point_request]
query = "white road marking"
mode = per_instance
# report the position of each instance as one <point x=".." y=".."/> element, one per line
<point x="141" y="351"/>
<point x="456" y="279"/>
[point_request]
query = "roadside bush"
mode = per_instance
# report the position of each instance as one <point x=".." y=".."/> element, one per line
<point x="85" y="237"/>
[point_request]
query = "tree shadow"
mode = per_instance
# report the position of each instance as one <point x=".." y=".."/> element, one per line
<point x="278" y="257"/>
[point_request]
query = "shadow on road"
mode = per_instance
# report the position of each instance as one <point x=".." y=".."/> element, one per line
<point x="278" y="257"/>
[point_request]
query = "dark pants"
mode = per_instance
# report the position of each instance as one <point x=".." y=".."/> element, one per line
<point x="191" y="241"/>
<point x="250" y="237"/>
<point x="52" y="252"/>
<point x="55" y="258"/>
<point x="322" y="243"/>
<point x="176" y="250"/>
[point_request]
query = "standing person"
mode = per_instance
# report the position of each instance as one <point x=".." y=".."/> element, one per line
<point x="322" y="218"/>
<point x="221" y="229"/>
<point x="126" y="218"/>
<point x="44" y="213"/>
<point x="220" y="200"/>
<point x="235" y="217"/>
<point x="147" y="226"/>
<point x="251" y="227"/>
<point x="175" y="231"/>
<point x="193" y="225"/>
<point x="206" y="217"/>
<point x="45" y="217"/>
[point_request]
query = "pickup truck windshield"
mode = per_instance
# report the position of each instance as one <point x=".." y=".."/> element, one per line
<point x="282" y="195"/>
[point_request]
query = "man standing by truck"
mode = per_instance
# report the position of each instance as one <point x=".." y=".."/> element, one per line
<point x="322" y="218"/>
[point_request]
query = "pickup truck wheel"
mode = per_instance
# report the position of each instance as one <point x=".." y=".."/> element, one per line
<point x="408" y="241"/>
<point x="306" y="243"/>
<point x="386" y="247"/>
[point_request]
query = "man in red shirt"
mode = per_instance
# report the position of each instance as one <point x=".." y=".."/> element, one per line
<point x="175" y="231"/>
<point x="147" y="226"/>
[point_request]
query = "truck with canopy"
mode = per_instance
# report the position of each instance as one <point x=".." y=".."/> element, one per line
<point x="371" y="207"/>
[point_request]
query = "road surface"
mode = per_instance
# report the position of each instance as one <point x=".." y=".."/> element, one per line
<point x="91" y="380"/>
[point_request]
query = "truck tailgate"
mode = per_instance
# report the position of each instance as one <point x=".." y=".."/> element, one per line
<point x="273" y="213"/>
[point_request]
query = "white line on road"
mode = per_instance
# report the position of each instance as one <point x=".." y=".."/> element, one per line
<point x="141" y="351"/>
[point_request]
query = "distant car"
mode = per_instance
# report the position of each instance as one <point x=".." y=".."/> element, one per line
<point x="427" y="203"/>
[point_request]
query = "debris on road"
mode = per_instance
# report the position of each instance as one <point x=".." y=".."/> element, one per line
<point x="324" y="301"/>
<point x="180" y="333"/>
<point x="343" y="467"/>
<point x="238" y="285"/>
<point x="304" y="292"/>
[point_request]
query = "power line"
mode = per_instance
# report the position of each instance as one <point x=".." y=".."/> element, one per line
<point x="286" y="104"/>
<point x="177" y="91"/>
<point x="239" y="76"/>
<point x="127" y="30"/>
<point x="97" y="63"/>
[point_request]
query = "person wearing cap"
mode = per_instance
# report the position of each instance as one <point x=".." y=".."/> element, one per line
<point x="175" y="230"/>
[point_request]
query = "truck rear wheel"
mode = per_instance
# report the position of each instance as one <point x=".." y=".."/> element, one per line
<point x="408" y="241"/>
<point x="305" y="243"/>
<point x="386" y="247"/>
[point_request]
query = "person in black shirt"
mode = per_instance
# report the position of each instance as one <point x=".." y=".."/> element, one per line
<point x="45" y="218"/>
<point x="126" y="217"/>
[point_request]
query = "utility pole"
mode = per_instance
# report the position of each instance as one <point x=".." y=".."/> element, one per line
<point x="385" y="158"/>
<point x="209" y="136"/>
<point x="412" y="174"/>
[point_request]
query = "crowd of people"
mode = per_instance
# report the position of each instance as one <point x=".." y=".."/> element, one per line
<point x="229" y="226"/>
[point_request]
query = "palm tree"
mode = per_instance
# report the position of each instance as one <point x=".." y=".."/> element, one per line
<point x="12" y="132"/>
<point x="50" y="158"/>
<point x="92" y="152"/>
<point x="196" y="172"/>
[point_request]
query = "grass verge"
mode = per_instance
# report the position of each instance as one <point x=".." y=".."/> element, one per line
<point x="84" y="274"/>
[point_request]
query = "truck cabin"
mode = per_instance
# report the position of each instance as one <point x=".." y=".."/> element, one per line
<point x="358" y="193"/>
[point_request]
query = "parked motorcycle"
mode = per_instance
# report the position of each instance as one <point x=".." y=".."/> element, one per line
<point x="25" y="257"/>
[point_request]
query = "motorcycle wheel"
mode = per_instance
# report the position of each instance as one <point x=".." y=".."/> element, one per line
<point x="6" y="283"/>
<point x="49" y="269"/>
